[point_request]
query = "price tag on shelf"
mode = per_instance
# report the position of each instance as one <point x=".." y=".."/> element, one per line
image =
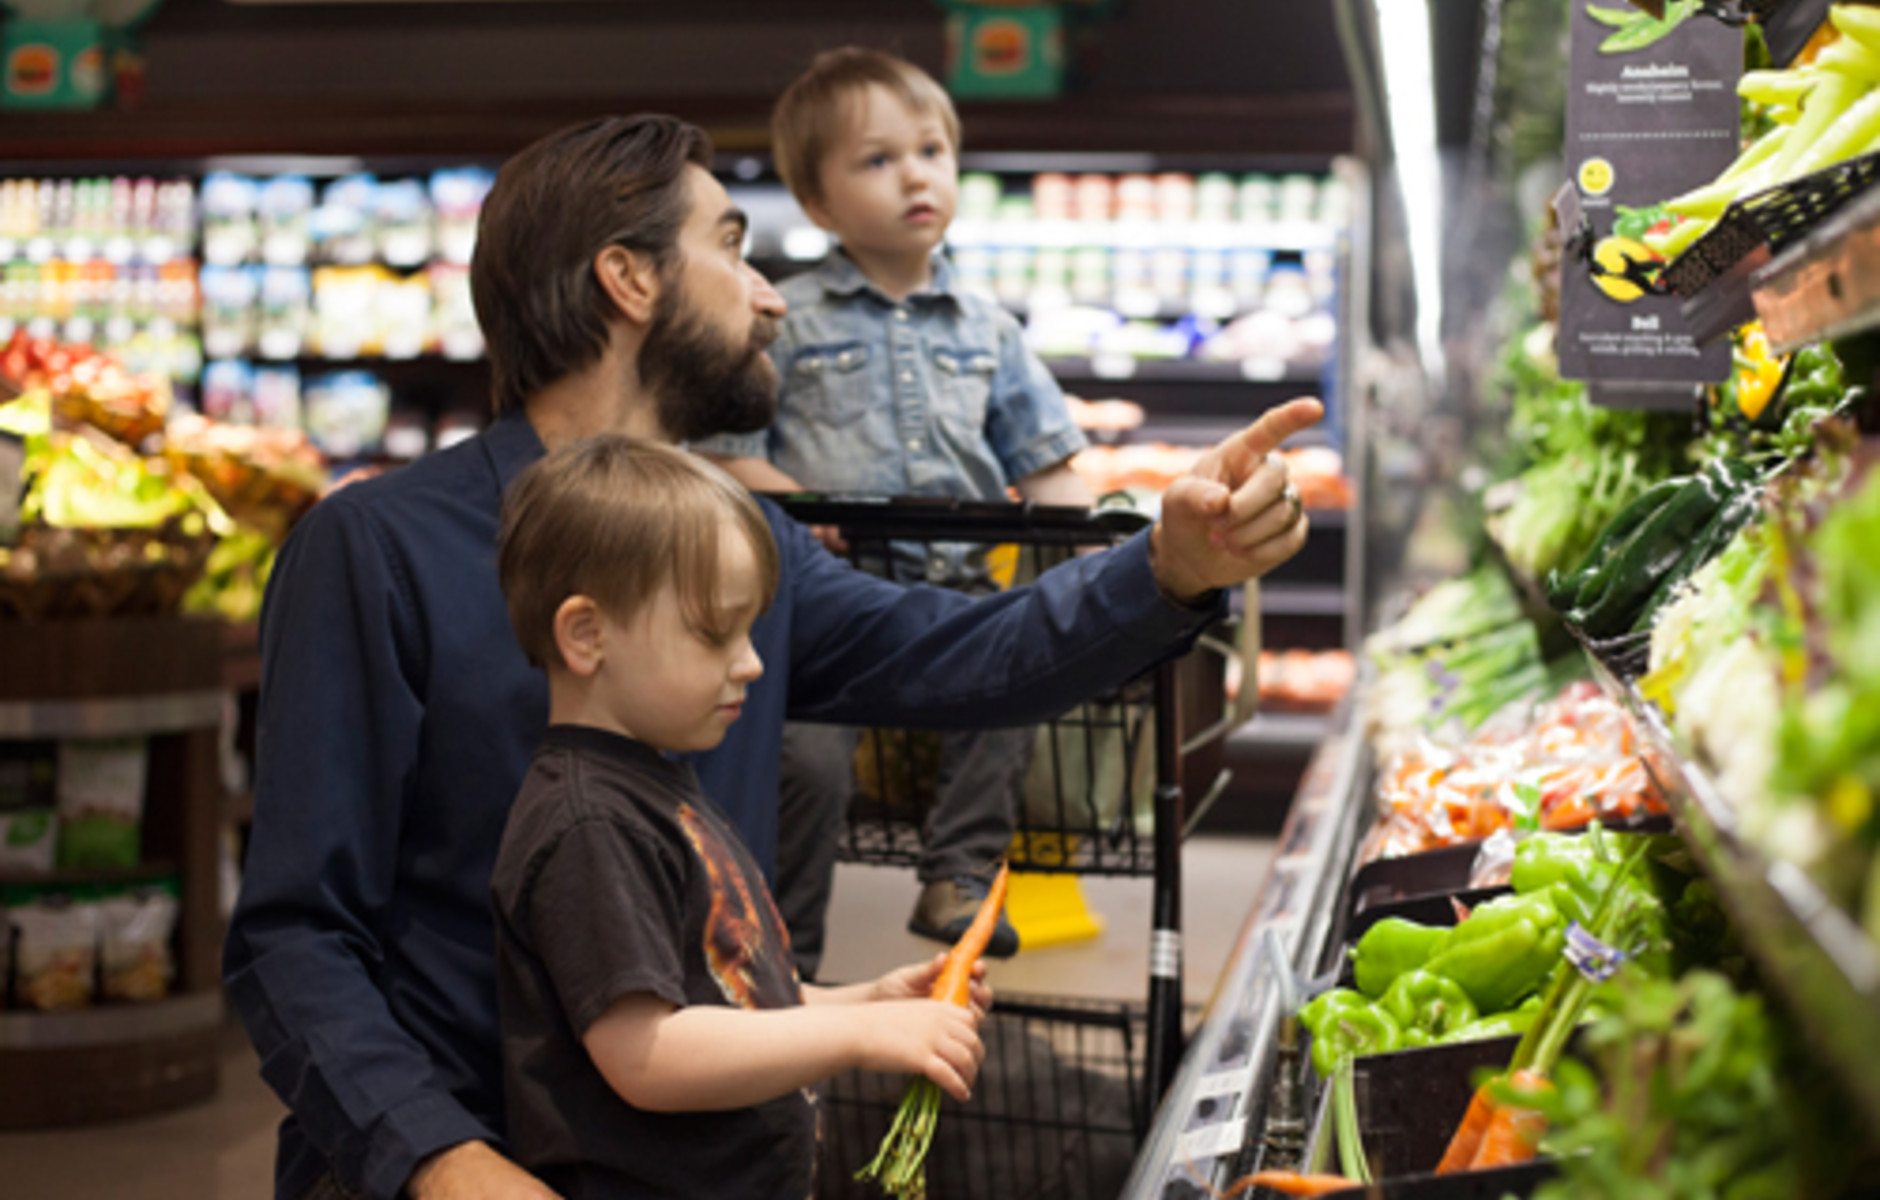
<point x="1652" y="113"/>
<point x="1262" y="369"/>
<point x="12" y="487"/>
<point x="1113" y="366"/>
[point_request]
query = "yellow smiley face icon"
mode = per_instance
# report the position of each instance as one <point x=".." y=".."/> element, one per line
<point x="1595" y="177"/>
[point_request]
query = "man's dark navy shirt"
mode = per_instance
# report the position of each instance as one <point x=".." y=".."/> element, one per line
<point x="397" y="720"/>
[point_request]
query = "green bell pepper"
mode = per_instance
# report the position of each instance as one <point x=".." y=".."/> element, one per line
<point x="1506" y="949"/>
<point x="1352" y="1033"/>
<point x="1327" y="1005"/>
<point x="1421" y="1002"/>
<point x="1509" y="1024"/>
<point x="1388" y="949"/>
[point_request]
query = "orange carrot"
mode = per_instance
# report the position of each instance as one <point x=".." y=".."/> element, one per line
<point x="954" y="983"/>
<point x="1292" y="1183"/>
<point x="1515" y="1133"/>
<point x="1468" y="1140"/>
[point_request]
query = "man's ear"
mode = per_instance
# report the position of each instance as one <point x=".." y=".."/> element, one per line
<point x="578" y="635"/>
<point x="631" y="281"/>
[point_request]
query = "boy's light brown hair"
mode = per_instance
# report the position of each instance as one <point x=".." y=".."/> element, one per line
<point x="812" y="111"/>
<point x="617" y="519"/>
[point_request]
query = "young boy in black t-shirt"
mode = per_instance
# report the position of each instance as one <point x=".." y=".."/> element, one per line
<point x="656" y="1040"/>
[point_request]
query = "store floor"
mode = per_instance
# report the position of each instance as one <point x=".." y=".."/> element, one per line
<point x="224" y="1150"/>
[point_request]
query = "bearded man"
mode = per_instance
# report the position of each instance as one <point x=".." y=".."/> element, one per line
<point x="398" y="714"/>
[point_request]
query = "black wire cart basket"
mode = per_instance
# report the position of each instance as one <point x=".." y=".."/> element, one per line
<point x="1103" y="791"/>
<point x="1058" y="1111"/>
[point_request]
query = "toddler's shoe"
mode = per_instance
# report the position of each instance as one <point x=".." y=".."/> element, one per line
<point x="946" y="908"/>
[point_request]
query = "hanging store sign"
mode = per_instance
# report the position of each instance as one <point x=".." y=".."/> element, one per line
<point x="1651" y="113"/>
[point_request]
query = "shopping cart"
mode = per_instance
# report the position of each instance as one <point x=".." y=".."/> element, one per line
<point x="1058" y="1110"/>
<point x="1103" y="795"/>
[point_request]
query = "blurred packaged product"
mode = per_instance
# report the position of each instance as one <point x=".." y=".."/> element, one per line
<point x="979" y="196"/>
<point x="229" y="314"/>
<point x="1070" y="332"/>
<point x="1305" y="680"/>
<point x="276" y="397"/>
<point x="1287" y="291"/>
<point x="403" y="311"/>
<point x="286" y="312"/>
<point x="1053" y="196"/>
<point x="134" y="931"/>
<point x="283" y="208"/>
<point x="342" y="226"/>
<point x="29" y="773"/>
<point x="1259" y="197"/>
<point x="346" y="413"/>
<point x="345" y="310"/>
<point x="403" y="222"/>
<point x="1211" y="286"/>
<point x="407" y="434"/>
<point x="55" y="949"/>
<point x="1321" y="267"/>
<point x="1103" y="417"/>
<point x="1012" y="267"/>
<point x="228" y="391"/>
<point x="1170" y="275"/>
<point x="28" y="840"/>
<point x="229" y="233"/>
<point x="1096" y="197"/>
<point x="1298" y="199"/>
<point x="1135" y="198"/>
<point x="1090" y="275"/>
<point x="101" y="802"/>
<point x="1248" y="267"/>
<point x="1050" y="279"/>
<point x="1214" y="197"/>
<point x="1174" y="198"/>
<point x="454" y="313"/>
<point x="457" y="198"/>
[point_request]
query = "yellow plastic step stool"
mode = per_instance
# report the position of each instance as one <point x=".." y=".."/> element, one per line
<point x="1049" y="910"/>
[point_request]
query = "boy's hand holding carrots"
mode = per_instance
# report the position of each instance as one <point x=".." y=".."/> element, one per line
<point x="916" y="983"/>
<point x="921" y="1037"/>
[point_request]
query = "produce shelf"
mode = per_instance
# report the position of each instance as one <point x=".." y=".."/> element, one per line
<point x="1302" y="600"/>
<point x="1811" y="952"/>
<point x="1283" y="731"/>
<point x="1828" y="284"/>
<point x="128" y="716"/>
<point x="1176" y="370"/>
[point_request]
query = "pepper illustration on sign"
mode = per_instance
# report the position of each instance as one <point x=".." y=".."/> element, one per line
<point x="1636" y="30"/>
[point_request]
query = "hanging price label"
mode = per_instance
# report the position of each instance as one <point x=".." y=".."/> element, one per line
<point x="1651" y="113"/>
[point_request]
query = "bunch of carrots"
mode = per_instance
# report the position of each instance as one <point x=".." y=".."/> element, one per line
<point x="900" y="1166"/>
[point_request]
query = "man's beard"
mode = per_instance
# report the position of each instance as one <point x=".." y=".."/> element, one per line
<point x="701" y="384"/>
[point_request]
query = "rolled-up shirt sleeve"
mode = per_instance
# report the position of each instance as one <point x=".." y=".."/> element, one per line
<point x="1028" y="424"/>
<point x="339" y="735"/>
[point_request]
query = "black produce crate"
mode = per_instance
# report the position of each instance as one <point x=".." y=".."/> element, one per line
<point x="1387" y="880"/>
<point x="1057" y="1111"/>
<point x="1712" y="275"/>
<point x="1409" y="1104"/>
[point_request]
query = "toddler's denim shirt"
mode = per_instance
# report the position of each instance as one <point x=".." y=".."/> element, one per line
<point x="936" y="395"/>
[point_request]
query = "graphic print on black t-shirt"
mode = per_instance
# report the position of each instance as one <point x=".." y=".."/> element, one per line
<point x="746" y="970"/>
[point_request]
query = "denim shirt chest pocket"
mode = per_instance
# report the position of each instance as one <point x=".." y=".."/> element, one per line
<point x="831" y="381"/>
<point x="963" y="385"/>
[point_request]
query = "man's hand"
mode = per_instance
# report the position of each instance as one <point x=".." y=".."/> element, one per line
<point x="1234" y="516"/>
<point x="473" y="1171"/>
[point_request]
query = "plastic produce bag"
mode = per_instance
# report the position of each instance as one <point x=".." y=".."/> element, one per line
<point x="54" y="954"/>
<point x="101" y="802"/>
<point x="134" y="945"/>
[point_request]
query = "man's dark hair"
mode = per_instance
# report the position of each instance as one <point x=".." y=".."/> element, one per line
<point x="618" y="181"/>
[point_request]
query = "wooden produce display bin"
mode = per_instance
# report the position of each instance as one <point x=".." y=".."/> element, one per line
<point x="159" y="678"/>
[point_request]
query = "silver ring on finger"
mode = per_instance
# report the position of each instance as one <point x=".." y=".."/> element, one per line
<point x="1293" y="500"/>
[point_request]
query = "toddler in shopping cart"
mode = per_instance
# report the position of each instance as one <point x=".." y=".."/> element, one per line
<point x="656" y="1039"/>
<point x="895" y="382"/>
